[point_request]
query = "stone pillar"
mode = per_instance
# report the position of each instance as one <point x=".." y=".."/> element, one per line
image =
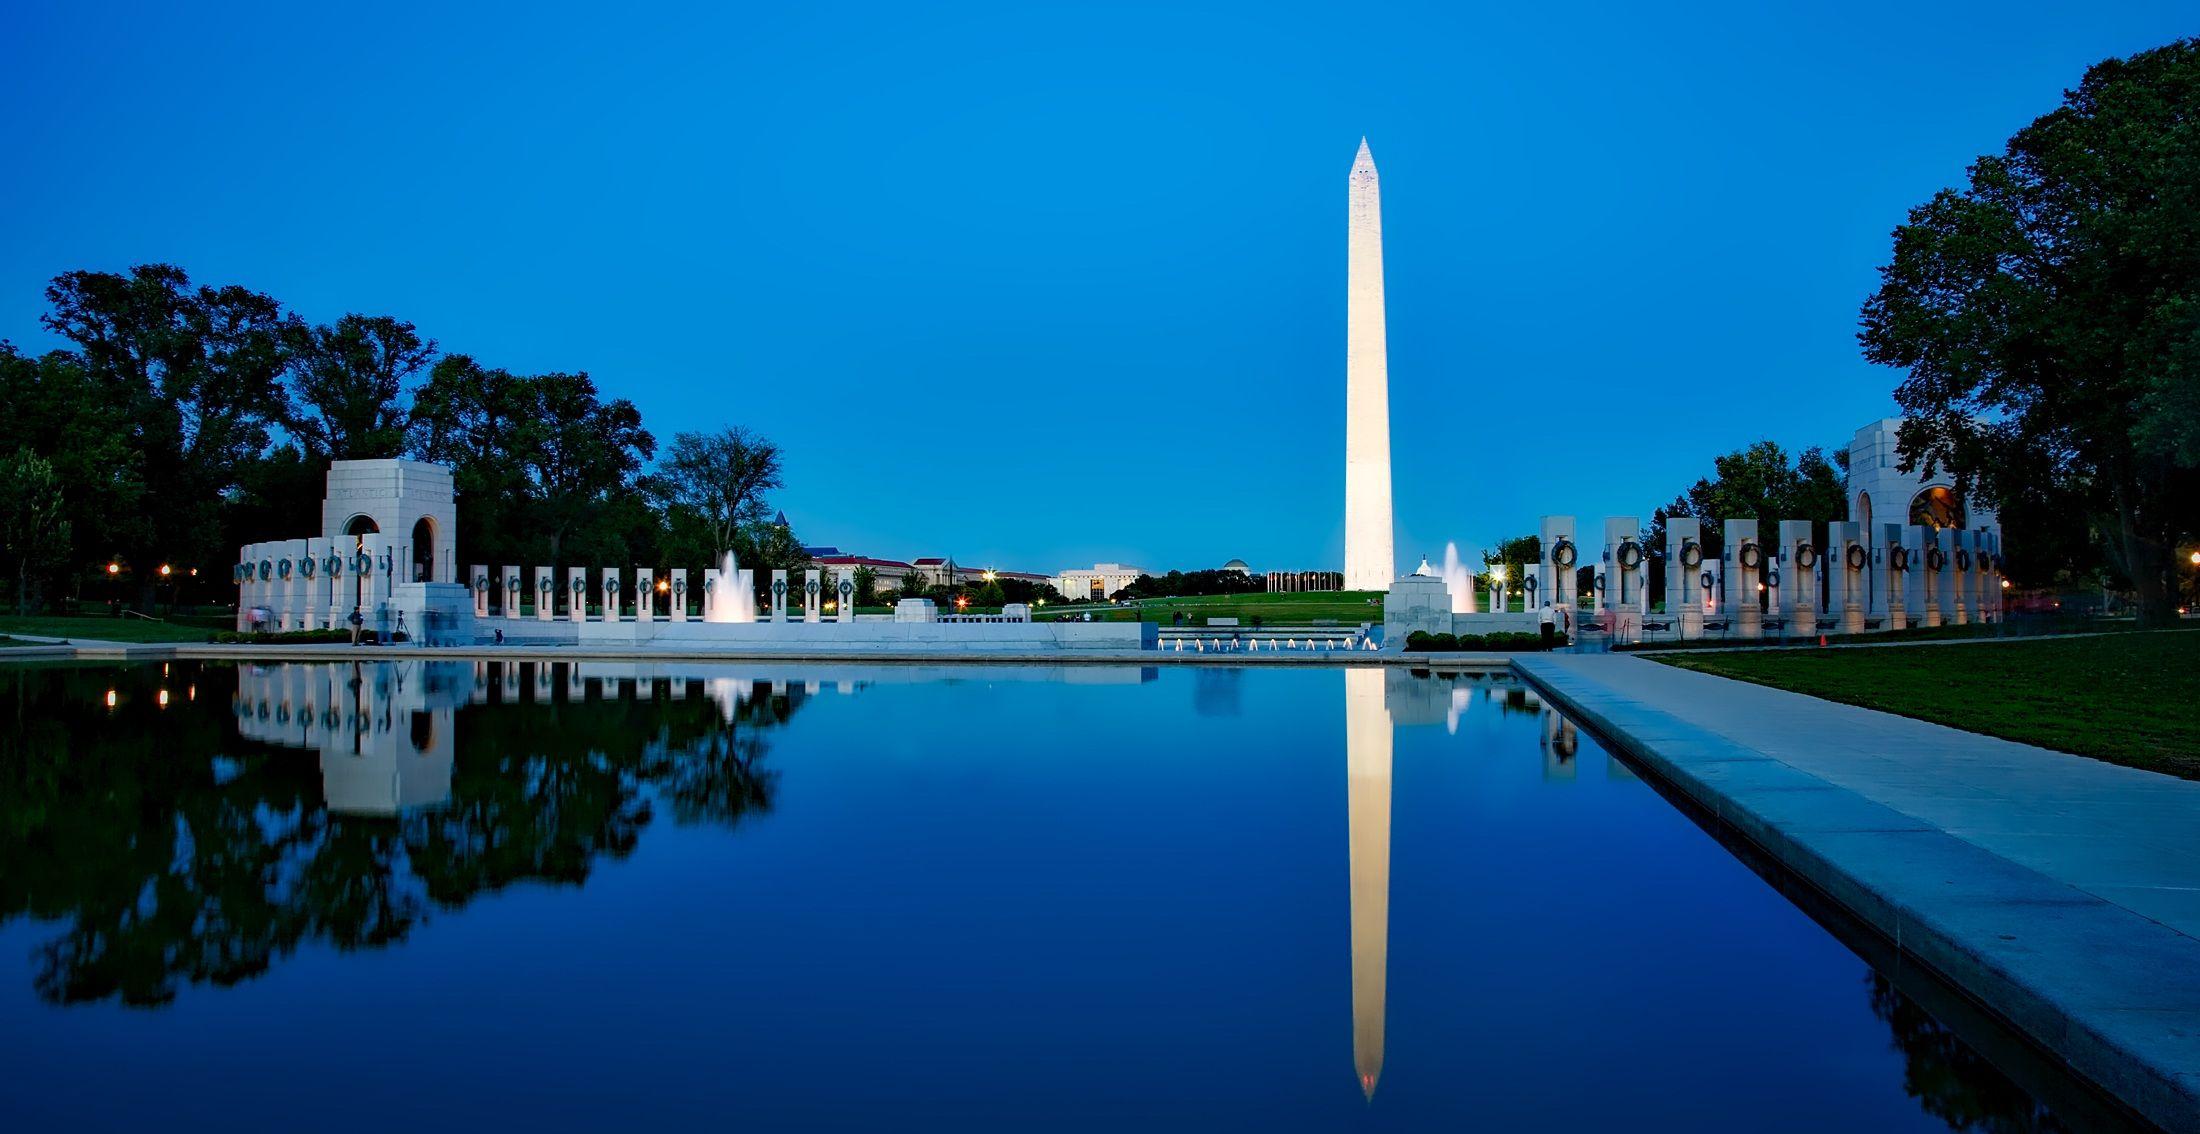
<point x="679" y="596"/>
<point x="1743" y="564"/>
<point x="546" y="593"/>
<point x="576" y="592"/>
<point x="813" y="595"/>
<point x="1683" y="568"/>
<point x="779" y="596"/>
<point x="1890" y="578"/>
<point x="743" y="595"/>
<point x="1961" y="604"/>
<point x="610" y="586"/>
<point x="1851" y="560"/>
<point x="515" y="592"/>
<point x="1927" y="565"/>
<point x="1990" y="573"/>
<point x="645" y="594"/>
<point x="1561" y="558"/>
<point x="1624" y="577"/>
<point x="1799" y="576"/>
<point x="477" y="577"/>
<point x="845" y="587"/>
<point x="336" y="569"/>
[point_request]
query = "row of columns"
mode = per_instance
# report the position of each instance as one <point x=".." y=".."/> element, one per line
<point x="313" y="584"/>
<point x="1900" y="575"/>
<point x="727" y="594"/>
<point x="1910" y="575"/>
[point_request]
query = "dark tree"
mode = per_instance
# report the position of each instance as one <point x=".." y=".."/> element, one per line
<point x="588" y="452"/>
<point x="482" y="423"/>
<point x="1760" y="483"/>
<point x="57" y="411"/>
<point x="198" y="372"/>
<point x="721" y="478"/>
<point x="2048" y="315"/>
<point x="349" y="386"/>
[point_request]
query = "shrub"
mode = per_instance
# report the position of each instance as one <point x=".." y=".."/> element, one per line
<point x="289" y="637"/>
<point x="1502" y="641"/>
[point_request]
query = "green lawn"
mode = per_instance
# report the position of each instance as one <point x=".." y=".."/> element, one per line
<point x="184" y="628"/>
<point x="2130" y="698"/>
<point x="1346" y="608"/>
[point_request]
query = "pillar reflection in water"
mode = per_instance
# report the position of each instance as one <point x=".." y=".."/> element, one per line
<point x="1367" y="800"/>
<point x="383" y="732"/>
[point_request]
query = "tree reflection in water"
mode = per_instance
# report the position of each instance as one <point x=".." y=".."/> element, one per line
<point x="1949" y="1078"/>
<point x="175" y="849"/>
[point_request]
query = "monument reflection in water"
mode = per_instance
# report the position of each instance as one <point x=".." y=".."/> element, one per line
<point x="840" y="889"/>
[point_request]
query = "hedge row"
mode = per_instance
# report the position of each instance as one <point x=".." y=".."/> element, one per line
<point x="1503" y="640"/>
<point x="290" y="637"/>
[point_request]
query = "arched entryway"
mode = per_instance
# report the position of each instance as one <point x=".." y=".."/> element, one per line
<point x="1937" y="507"/>
<point x="359" y="528"/>
<point x="423" y="551"/>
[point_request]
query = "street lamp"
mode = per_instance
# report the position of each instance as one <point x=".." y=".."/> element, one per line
<point x="114" y="569"/>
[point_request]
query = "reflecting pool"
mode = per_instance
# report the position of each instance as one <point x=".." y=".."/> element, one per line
<point x="603" y="896"/>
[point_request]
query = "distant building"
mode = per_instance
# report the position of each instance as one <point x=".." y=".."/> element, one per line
<point x="889" y="573"/>
<point x="1305" y="581"/>
<point x="1102" y="580"/>
<point x="1240" y="566"/>
<point x="936" y="571"/>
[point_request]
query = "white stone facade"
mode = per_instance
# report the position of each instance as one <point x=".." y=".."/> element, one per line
<point x="1370" y="561"/>
<point x="1103" y="580"/>
<point x="387" y="550"/>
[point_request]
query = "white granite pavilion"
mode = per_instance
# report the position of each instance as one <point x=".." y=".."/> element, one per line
<point x="387" y="553"/>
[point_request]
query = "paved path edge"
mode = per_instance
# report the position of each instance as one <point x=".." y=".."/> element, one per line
<point x="2026" y="947"/>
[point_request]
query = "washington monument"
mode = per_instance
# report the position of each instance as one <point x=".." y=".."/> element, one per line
<point x="1369" y="563"/>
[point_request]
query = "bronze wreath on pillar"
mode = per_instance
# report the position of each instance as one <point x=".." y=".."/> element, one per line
<point x="1858" y="556"/>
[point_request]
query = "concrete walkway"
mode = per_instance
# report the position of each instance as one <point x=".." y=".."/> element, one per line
<point x="2061" y="892"/>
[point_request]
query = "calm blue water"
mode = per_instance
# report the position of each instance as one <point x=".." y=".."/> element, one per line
<point x="449" y="896"/>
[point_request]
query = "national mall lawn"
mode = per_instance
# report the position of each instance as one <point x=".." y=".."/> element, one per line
<point x="1284" y="608"/>
<point x="2129" y="698"/>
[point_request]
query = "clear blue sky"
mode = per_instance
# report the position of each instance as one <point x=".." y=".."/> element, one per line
<point x="1620" y="239"/>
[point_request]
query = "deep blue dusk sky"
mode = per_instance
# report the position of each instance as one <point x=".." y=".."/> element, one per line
<point x="1037" y="287"/>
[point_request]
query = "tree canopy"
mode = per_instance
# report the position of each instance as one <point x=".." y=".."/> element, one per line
<point x="2048" y="317"/>
<point x="185" y="419"/>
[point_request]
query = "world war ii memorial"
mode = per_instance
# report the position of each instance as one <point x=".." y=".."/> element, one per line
<point x="1735" y="673"/>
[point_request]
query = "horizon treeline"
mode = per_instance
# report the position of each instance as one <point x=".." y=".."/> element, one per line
<point x="182" y="420"/>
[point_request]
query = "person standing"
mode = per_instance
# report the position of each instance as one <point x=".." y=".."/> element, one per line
<point x="1550" y="625"/>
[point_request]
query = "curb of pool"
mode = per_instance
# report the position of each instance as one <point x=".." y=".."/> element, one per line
<point x="2026" y="947"/>
<point x="187" y="651"/>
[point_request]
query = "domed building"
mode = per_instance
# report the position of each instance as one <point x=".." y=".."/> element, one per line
<point x="1239" y="566"/>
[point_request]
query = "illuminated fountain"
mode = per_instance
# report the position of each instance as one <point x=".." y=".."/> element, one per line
<point x="1458" y="580"/>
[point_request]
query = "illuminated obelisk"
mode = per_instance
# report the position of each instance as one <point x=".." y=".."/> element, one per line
<point x="1369" y="564"/>
<point x="1367" y="807"/>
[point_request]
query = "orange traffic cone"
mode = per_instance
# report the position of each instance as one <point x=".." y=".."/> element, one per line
<point x="1821" y="639"/>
